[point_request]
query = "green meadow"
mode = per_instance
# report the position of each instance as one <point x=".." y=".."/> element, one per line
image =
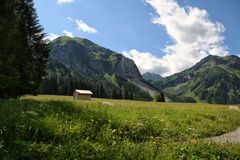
<point x="58" y="127"/>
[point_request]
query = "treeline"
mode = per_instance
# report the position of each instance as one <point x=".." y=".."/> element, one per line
<point x="23" y="51"/>
<point x="182" y="99"/>
<point x="63" y="81"/>
<point x="58" y="85"/>
<point x="220" y="87"/>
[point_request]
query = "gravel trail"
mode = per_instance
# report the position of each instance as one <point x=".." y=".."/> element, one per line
<point x="230" y="137"/>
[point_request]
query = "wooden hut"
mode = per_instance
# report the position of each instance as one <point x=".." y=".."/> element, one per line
<point x="82" y="94"/>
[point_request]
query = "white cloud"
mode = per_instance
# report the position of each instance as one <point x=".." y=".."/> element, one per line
<point x="194" y="35"/>
<point x="67" y="33"/>
<point x="52" y="36"/>
<point x="81" y="26"/>
<point x="147" y="62"/>
<point x="64" y="1"/>
<point x="70" y="19"/>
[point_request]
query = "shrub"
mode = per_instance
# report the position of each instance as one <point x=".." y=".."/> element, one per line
<point x="159" y="97"/>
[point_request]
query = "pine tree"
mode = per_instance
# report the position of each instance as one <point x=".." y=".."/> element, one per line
<point x="113" y="93"/>
<point x="96" y="90"/>
<point x="119" y="93"/>
<point x="159" y="97"/>
<point x="100" y="90"/>
<point x="24" y="53"/>
<point x="70" y="86"/>
<point x="124" y="93"/>
<point x="131" y="95"/>
<point x="34" y="55"/>
<point x="8" y="49"/>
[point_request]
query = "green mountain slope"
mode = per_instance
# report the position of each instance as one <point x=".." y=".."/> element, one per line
<point x="80" y="63"/>
<point x="214" y="79"/>
<point x="151" y="76"/>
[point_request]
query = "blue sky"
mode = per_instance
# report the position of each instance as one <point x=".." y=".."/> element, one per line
<point x="142" y="29"/>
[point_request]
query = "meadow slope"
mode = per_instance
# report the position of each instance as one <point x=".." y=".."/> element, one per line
<point x="57" y="127"/>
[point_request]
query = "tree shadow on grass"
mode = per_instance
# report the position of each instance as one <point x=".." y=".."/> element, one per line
<point x="29" y="129"/>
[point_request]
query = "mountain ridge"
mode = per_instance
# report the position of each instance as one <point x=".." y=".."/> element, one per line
<point x="96" y="55"/>
<point x="151" y="76"/>
<point x="80" y="58"/>
<point x="214" y="79"/>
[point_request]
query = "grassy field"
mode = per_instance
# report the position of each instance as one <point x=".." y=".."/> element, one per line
<point x="57" y="127"/>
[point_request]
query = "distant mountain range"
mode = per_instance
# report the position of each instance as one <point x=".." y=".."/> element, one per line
<point x="214" y="79"/>
<point x="151" y="76"/>
<point x="80" y="63"/>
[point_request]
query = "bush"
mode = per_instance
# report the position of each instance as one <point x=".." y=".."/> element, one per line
<point x="187" y="100"/>
<point x="159" y="97"/>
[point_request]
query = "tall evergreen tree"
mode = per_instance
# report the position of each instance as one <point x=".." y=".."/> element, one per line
<point x="8" y="48"/>
<point x="113" y="93"/>
<point x="96" y="90"/>
<point x="33" y="59"/>
<point x="131" y="95"/>
<point x="125" y="94"/>
<point x="119" y="93"/>
<point x="159" y="97"/>
<point x="100" y="90"/>
<point x="24" y="54"/>
<point x="70" y="88"/>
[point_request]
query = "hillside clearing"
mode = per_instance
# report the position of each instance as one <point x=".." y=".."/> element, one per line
<point x="57" y="127"/>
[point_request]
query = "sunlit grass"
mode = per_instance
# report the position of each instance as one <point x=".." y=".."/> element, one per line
<point x="58" y="127"/>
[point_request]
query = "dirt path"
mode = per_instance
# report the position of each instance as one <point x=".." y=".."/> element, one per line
<point x="230" y="137"/>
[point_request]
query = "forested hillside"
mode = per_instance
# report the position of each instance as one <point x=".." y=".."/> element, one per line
<point x="79" y="63"/>
<point x="214" y="79"/>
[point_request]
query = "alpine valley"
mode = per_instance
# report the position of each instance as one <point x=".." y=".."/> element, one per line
<point x="80" y="63"/>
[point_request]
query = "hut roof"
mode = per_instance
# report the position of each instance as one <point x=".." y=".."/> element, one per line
<point x="83" y="91"/>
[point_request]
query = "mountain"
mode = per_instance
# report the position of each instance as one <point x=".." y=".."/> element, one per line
<point x="80" y="63"/>
<point x="214" y="79"/>
<point x="151" y="76"/>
